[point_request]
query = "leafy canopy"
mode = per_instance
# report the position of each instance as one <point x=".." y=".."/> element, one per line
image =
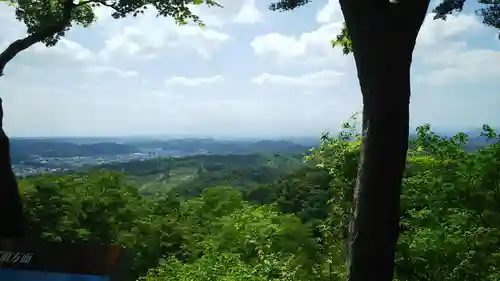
<point x="449" y="204"/>
<point x="42" y="15"/>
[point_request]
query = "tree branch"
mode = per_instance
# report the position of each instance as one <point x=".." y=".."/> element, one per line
<point x="101" y="2"/>
<point x="22" y="44"/>
<point x="84" y="3"/>
<point x="287" y="5"/>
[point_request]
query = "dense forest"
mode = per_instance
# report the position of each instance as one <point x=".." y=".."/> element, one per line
<point x="290" y="228"/>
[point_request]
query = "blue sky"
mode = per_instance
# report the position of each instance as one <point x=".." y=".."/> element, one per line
<point x="249" y="72"/>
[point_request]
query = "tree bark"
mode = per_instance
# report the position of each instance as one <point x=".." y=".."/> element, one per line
<point x="383" y="38"/>
<point x="12" y="220"/>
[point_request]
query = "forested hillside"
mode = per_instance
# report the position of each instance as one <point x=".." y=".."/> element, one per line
<point x="26" y="149"/>
<point x="190" y="175"/>
<point x="291" y="229"/>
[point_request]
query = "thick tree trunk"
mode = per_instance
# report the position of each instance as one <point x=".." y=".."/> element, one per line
<point x="11" y="211"/>
<point x="383" y="38"/>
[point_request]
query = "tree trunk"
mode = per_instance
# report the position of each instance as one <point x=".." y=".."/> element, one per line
<point x="383" y="38"/>
<point x="12" y="220"/>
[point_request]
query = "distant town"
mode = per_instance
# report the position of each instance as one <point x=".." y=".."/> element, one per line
<point x="32" y="157"/>
<point x="40" y="165"/>
<point x="46" y="165"/>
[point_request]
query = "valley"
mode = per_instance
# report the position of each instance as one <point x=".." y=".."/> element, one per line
<point x="31" y="157"/>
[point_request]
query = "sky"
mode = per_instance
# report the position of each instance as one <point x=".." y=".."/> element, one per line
<point x="249" y="72"/>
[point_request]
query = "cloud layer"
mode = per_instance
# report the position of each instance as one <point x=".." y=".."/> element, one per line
<point x="248" y="72"/>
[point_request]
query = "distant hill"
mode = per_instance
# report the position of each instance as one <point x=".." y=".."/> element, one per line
<point x="191" y="146"/>
<point x="26" y="149"/>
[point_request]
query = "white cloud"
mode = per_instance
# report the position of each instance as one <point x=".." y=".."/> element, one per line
<point x="148" y="36"/>
<point x="193" y="82"/>
<point x="102" y="70"/>
<point x="463" y="66"/>
<point x="445" y="56"/>
<point x="66" y="48"/>
<point x="241" y="12"/>
<point x="248" y="13"/>
<point x="436" y="32"/>
<point x="330" y="12"/>
<point x="311" y="48"/>
<point x="320" y="79"/>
